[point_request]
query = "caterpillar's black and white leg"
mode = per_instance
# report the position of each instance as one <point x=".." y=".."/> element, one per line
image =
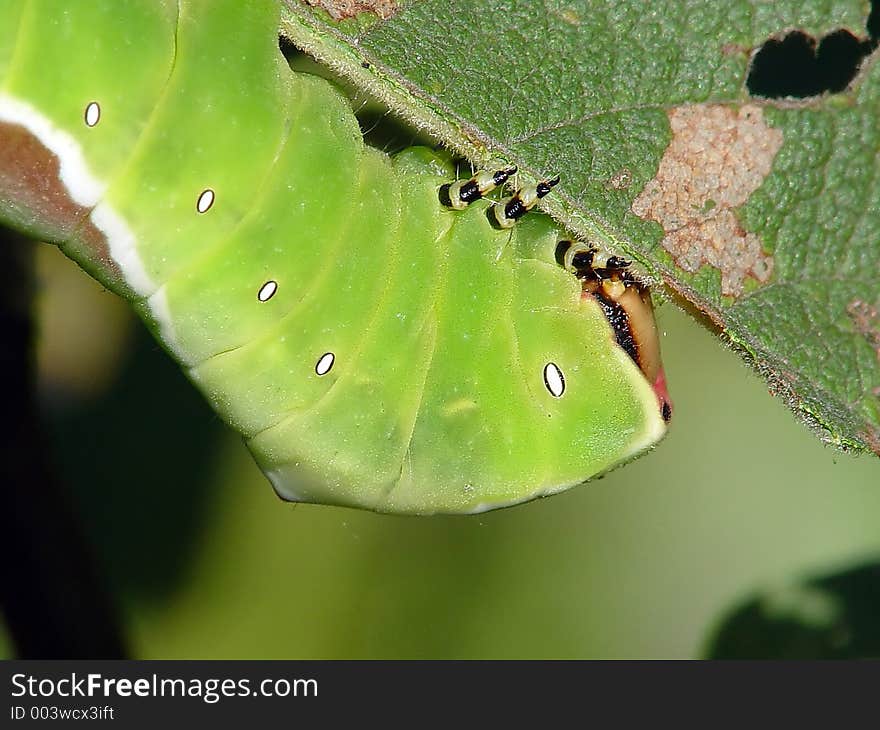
<point x="460" y="194"/>
<point x="510" y="210"/>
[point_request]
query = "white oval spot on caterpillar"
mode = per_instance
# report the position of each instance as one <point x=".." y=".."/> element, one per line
<point x="93" y="114"/>
<point x="554" y="380"/>
<point x="325" y="363"/>
<point x="205" y="201"/>
<point x="267" y="291"/>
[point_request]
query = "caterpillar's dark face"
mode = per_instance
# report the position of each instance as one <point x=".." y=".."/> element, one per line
<point x="374" y="347"/>
<point x="628" y="307"/>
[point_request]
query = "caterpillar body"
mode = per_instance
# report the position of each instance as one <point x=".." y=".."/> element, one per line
<point x="374" y="347"/>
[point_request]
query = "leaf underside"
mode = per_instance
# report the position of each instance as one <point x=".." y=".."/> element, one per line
<point x="760" y="214"/>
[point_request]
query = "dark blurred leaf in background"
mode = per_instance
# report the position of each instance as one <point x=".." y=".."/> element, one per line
<point x="836" y="616"/>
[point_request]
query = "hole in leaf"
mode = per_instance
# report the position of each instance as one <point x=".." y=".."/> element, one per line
<point x="797" y="66"/>
<point x="874" y="21"/>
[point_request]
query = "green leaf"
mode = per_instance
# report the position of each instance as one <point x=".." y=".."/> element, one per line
<point x="760" y="215"/>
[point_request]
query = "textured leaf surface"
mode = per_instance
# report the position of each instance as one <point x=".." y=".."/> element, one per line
<point x="761" y="213"/>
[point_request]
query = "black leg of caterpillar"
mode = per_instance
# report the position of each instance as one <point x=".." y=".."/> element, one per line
<point x="507" y="212"/>
<point x="617" y="263"/>
<point x="499" y="177"/>
<point x="544" y="187"/>
<point x="562" y="248"/>
<point x="510" y="210"/>
<point x="589" y="263"/>
<point x="582" y="263"/>
<point x="445" y="200"/>
<point x="616" y="269"/>
<point x="460" y="194"/>
<point x="597" y="271"/>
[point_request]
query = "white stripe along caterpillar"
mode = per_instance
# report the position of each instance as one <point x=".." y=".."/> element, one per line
<point x="375" y="348"/>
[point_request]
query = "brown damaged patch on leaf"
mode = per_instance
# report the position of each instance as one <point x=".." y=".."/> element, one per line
<point x="866" y="320"/>
<point x="34" y="196"/>
<point x="717" y="158"/>
<point x="342" y="9"/>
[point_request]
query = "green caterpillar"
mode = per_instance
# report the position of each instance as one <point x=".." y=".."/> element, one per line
<point x="374" y="347"/>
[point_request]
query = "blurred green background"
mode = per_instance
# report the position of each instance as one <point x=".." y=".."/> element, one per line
<point x="205" y="562"/>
